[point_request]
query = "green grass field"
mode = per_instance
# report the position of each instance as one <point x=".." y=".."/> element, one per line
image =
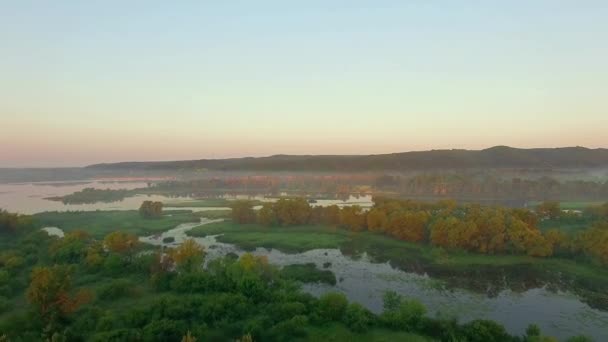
<point x="100" y="223"/>
<point x="292" y="239"/>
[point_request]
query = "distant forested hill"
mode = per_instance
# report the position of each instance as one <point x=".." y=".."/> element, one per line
<point x="495" y="157"/>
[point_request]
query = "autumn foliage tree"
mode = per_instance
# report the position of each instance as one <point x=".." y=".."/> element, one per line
<point x="50" y="292"/>
<point x="188" y="256"/>
<point x="121" y="243"/>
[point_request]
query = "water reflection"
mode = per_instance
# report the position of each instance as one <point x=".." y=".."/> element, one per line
<point x="364" y="279"/>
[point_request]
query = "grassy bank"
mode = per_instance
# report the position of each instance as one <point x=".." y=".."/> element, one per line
<point x="308" y="273"/>
<point x="100" y="223"/>
<point x="292" y="239"/>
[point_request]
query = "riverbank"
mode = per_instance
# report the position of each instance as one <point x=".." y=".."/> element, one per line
<point x="489" y="274"/>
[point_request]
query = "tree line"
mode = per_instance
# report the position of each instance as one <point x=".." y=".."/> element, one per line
<point x="473" y="228"/>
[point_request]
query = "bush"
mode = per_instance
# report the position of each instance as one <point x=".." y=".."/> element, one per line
<point x="119" y="288"/>
<point x="115" y="265"/>
<point x="191" y="282"/>
<point x="358" y="318"/>
<point x="5" y="304"/>
<point x="164" y="330"/>
<point x="289" y="329"/>
<point x="332" y="306"/>
<point x="402" y="314"/>
<point x="484" y="331"/>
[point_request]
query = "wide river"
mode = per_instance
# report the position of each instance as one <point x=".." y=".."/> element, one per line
<point x="559" y="314"/>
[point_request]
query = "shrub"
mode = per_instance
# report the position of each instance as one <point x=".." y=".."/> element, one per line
<point x="484" y="331"/>
<point x="332" y="306"/>
<point x="358" y="318"/>
<point x="116" y="289"/>
<point x="403" y="314"/>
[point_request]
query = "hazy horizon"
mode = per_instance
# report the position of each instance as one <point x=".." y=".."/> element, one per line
<point x="86" y="83"/>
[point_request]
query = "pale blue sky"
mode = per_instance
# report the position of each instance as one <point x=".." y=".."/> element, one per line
<point x="90" y="81"/>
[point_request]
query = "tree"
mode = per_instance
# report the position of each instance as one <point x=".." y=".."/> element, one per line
<point x="188" y="256"/>
<point x="49" y="291"/>
<point x="408" y="225"/>
<point x="121" y="243"/>
<point x="331" y="215"/>
<point x="11" y="223"/>
<point x="71" y="248"/>
<point x="150" y="209"/>
<point x="266" y="215"/>
<point x="376" y="220"/>
<point x="358" y="318"/>
<point x="485" y="331"/>
<point x="594" y="242"/>
<point x="242" y="212"/>
<point x="292" y="212"/>
<point x="353" y="218"/>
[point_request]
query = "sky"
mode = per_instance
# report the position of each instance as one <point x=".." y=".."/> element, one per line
<point x="100" y="81"/>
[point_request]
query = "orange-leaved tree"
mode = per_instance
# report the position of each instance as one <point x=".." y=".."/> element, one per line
<point x="50" y="291"/>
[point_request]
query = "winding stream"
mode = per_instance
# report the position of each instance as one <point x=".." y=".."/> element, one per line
<point x="559" y="314"/>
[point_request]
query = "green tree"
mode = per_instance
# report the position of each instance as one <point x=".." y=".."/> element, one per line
<point x="332" y="306"/>
<point x="150" y="209"/>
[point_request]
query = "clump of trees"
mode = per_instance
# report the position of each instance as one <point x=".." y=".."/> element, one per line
<point x="12" y="223"/>
<point x="150" y="209"/>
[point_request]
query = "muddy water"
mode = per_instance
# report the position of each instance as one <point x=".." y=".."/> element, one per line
<point x="559" y="314"/>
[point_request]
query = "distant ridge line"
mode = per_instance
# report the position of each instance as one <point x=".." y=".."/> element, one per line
<point x="494" y="157"/>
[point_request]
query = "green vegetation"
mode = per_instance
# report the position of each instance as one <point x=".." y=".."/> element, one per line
<point x="336" y="332"/>
<point x="92" y="195"/>
<point x="151" y="210"/>
<point x="454" y="266"/>
<point x="214" y="214"/>
<point x="100" y="223"/>
<point x="79" y="288"/>
<point x="205" y="202"/>
<point x="308" y="273"/>
<point x="294" y="239"/>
